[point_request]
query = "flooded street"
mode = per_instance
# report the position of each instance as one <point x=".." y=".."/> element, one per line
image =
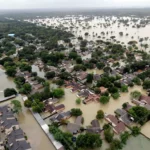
<point x="35" y="134"/>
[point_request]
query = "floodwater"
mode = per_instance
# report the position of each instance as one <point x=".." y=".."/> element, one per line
<point x="90" y="110"/>
<point x="137" y="143"/>
<point x="95" y="71"/>
<point x="146" y="129"/>
<point x="35" y="134"/>
<point x="39" y="72"/>
<point x="96" y="26"/>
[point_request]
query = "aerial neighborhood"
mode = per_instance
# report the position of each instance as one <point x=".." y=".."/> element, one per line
<point x="78" y="81"/>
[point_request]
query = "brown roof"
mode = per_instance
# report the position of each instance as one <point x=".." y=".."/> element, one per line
<point x="112" y="119"/>
<point x="119" y="128"/>
<point x="60" y="107"/>
<point x="103" y="89"/>
<point x="78" y="120"/>
<point x="95" y="123"/>
<point x="50" y="108"/>
<point x="145" y="99"/>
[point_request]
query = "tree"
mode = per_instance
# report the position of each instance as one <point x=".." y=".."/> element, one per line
<point x="28" y="103"/>
<point x="140" y="114"/>
<point x="135" y="94"/>
<point x="9" y="92"/>
<point x="89" y="78"/>
<point x="116" y="145"/>
<point x="19" y="81"/>
<point x="50" y="75"/>
<point x="135" y="131"/>
<point x="108" y="135"/>
<point x="16" y="106"/>
<point x="100" y="114"/>
<point x="26" y="88"/>
<point x="79" y="60"/>
<point x="37" y="106"/>
<point x="78" y="101"/>
<point x="58" y="93"/>
<point x="11" y="71"/>
<point x="25" y="67"/>
<point x="76" y="112"/>
<point x="104" y="99"/>
<point x="115" y="95"/>
<point x="146" y="84"/>
<point x="88" y="141"/>
<point x="124" y="88"/>
<point x="124" y="137"/>
<point x="100" y="65"/>
<point x="137" y="81"/>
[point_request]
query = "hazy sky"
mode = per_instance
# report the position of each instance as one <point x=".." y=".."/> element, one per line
<point x="20" y="4"/>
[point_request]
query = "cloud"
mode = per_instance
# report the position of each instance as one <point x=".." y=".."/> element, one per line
<point x="13" y="4"/>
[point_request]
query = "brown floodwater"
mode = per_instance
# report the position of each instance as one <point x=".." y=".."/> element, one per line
<point x="90" y="110"/>
<point x="35" y="134"/>
<point x="96" y="26"/>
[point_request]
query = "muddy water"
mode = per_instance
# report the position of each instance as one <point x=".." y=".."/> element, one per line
<point x="39" y="72"/>
<point x="146" y="129"/>
<point x="90" y="110"/>
<point x="95" y="71"/>
<point x="137" y="143"/>
<point x="96" y="25"/>
<point x="36" y="136"/>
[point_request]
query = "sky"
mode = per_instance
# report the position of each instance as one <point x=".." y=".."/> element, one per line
<point x="33" y="4"/>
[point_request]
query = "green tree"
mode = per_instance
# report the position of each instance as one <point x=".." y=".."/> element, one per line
<point x="58" y="93"/>
<point x="9" y="92"/>
<point x="135" y="94"/>
<point x="79" y="60"/>
<point x="50" y="75"/>
<point x="89" y="78"/>
<point x="124" y="137"/>
<point x="146" y="84"/>
<point x="104" y="99"/>
<point x="16" y="106"/>
<point x="135" y="131"/>
<point x="137" y="81"/>
<point x="108" y="135"/>
<point x="124" y="88"/>
<point x="140" y="114"/>
<point x="28" y="103"/>
<point x="115" y="95"/>
<point x="89" y="141"/>
<point x="116" y="144"/>
<point x="11" y="71"/>
<point x="100" y="114"/>
<point x="37" y="106"/>
<point x="26" y="88"/>
<point x="76" y="112"/>
<point x="78" y="101"/>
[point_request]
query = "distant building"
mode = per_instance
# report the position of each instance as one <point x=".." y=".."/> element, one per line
<point x="11" y="35"/>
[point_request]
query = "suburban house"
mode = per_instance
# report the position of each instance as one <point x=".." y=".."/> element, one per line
<point x="61" y="116"/>
<point x="118" y="126"/>
<point x="95" y="128"/>
<point x="54" y="109"/>
<point x="91" y="98"/>
<point x="15" y="138"/>
<point x="74" y="128"/>
<point x="145" y="99"/>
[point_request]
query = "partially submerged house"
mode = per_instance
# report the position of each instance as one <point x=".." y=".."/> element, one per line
<point x="74" y="128"/>
<point x="95" y="128"/>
